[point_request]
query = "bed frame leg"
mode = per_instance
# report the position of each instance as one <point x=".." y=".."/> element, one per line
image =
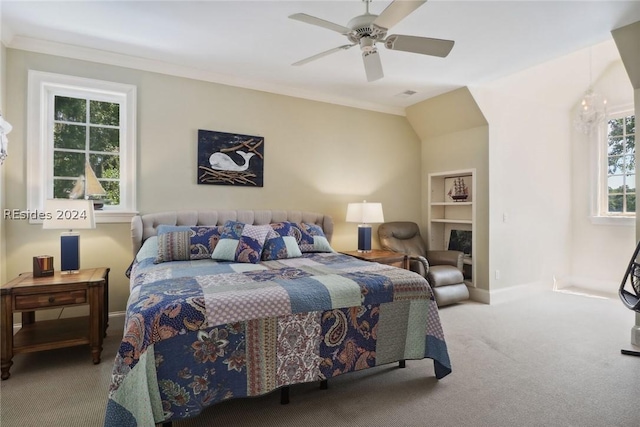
<point x="402" y="363"/>
<point x="284" y="395"/>
<point x="324" y="384"/>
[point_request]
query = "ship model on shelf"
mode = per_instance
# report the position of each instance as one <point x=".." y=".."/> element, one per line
<point x="459" y="192"/>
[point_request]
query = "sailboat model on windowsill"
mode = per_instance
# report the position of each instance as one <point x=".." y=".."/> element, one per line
<point x="459" y="192"/>
<point x="88" y="187"/>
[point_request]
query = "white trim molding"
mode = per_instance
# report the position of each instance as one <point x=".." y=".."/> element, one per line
<point x="156" y="66"/>
<point x="599" y="164"/>
<point x="41" y="89"/>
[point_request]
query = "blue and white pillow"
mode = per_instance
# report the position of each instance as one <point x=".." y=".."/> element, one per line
<point x="281" y="242"/>
<point x="311" y="238"/>
<point x="240" y="242"/>
<point x="184" y="243"/>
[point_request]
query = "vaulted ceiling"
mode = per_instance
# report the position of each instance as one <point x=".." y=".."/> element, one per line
<point x="253" y="43"/>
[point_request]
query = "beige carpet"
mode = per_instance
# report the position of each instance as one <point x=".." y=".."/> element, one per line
<point x="547" y="359"/>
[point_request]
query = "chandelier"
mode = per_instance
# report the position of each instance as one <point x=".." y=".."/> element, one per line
<point x="593" y="108"/>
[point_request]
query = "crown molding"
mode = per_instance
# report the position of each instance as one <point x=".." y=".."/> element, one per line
<point x="156" y="66"/>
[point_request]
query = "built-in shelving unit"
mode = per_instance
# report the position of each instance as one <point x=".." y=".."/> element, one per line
<point x="449" y="214"/>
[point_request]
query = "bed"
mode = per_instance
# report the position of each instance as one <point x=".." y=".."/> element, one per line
<point x="199" y="331"/>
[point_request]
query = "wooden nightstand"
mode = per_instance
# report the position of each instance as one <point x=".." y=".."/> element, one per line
<point x="396" y="259"/>
<point x="27" y="294"/>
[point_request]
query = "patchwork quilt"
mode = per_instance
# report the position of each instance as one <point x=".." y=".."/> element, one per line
<point x="201" y="331"/>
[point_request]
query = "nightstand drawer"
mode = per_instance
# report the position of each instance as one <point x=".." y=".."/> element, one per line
<point x="53" y="299"/>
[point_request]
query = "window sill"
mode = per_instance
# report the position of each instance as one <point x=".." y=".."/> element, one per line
<point x="112" y="217"/>
<point x="627" y="221"/>
<point x="102" y="217"/>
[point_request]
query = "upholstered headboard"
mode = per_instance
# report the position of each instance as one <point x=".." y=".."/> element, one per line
<point x="145" y="226"/>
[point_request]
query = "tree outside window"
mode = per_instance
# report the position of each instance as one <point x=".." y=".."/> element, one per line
<point x="86" y="130"/>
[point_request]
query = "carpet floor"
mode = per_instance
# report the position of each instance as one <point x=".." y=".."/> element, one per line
<point x="543" y="359"/>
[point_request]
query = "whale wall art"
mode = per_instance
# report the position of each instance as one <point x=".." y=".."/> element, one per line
<point x="230" y="159"/>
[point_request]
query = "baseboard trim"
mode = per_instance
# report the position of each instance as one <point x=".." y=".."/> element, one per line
<point x="503" y="295"/>
<point x="605" y="287"/>
<point x="499" y="296"/>
<point x="479" y="295"/>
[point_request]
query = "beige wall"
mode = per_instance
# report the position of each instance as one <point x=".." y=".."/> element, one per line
<point x="530" y="182"/>
<point x="318" y="157"/>
<point x="538" y="172"/>
<point x="3" y="239"/>
<point x="600" y="252"/>
<point x="539" y="165"/>
<point x="454" y="136"/>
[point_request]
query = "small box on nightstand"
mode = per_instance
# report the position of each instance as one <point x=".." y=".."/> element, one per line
<point x="42" y="266"/>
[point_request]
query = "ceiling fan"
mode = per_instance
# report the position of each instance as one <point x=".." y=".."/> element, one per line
<point x="368" y="29"/>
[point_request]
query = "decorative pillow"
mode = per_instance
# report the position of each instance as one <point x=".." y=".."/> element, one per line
<point x="184" y="243"/>
<point x="311" y="238"/>
<point x="281" y="242"/>
<point x="240" y="242"/>
<point x="149" y="249"/>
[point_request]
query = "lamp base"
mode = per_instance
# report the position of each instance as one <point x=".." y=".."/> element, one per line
<point x="69" y="252"/>
<point x="364" y="238"/>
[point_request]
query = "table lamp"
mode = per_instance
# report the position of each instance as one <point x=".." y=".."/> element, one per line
<point x="365" y="214"/>
<point x="69" y="214"/>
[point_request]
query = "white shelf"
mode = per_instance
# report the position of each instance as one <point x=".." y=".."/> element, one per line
<point x="446" y="215"/>
<point x="452" y="221"/>
<point x="451" y="203"/>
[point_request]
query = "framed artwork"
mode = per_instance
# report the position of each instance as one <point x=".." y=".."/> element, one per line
<point x="230" y="159"/>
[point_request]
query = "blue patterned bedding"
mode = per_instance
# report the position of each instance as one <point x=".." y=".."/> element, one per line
<point x="200" y="332"/>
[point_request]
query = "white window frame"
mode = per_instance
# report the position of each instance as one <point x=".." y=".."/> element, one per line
<point x="42" y="88"/>
<point x="600" y="207"/>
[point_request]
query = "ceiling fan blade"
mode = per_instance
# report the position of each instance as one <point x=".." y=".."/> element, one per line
<point x="321" y="54"/>
<point x="303" y="17"/>
<point x="396" y="12"/>
<point x="423" y="45"/>
<point x="372" y="65"/>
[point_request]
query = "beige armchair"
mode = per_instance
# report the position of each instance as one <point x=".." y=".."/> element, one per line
<point x="443" y="269"/>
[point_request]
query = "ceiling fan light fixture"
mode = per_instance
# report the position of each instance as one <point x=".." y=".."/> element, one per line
<point x="367" y="44"/>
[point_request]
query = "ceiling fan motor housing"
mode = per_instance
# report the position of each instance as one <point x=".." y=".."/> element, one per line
<point x="365" y="32"/>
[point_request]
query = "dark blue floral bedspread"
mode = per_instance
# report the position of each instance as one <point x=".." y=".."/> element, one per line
<point x="199" y="332"/>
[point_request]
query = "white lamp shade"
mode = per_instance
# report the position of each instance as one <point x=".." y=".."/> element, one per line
<point x="365" y="213"/>
<point x="69" y="214"/>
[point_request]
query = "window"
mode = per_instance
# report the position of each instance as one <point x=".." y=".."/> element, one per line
<point x="81" y="138"/>
<point x="621" y="166"/>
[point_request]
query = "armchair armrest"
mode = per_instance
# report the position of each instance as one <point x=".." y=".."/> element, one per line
<point x="454" y="258"/>
<point x="419" y="264"/>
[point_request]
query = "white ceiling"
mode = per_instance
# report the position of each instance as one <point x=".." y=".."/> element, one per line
<point x="253" y="43"/>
